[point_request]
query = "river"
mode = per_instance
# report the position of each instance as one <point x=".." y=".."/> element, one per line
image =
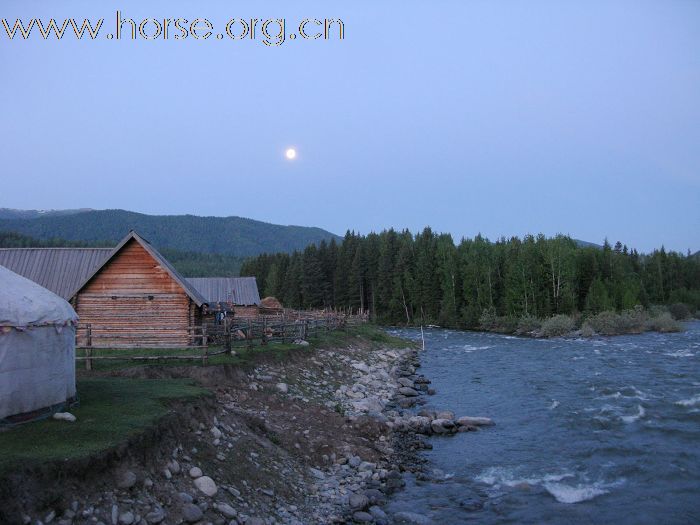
<point x="602" y="430"/>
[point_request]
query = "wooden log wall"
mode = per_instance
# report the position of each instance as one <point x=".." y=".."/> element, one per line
<point x="133" y="300"/>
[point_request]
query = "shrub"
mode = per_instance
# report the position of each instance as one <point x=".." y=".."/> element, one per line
<point x="528" y="324"/>
<point x="627" y="322"/>
<point x="664" y="323"/>
<point x="587" y="330"/>
<point x="557" y="326"/>
<point x="487" y="321"/>
<point x="680" y="311"/>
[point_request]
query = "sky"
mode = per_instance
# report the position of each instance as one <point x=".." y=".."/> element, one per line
<point x="495" y="117"/>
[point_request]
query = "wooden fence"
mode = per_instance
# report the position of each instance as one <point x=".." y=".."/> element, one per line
<point x="209" y="339"/>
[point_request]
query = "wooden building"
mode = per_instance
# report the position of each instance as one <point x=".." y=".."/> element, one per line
<point x="137" y="298"/>
<point x="233" y="296"/>
<point x="131" y="295"/>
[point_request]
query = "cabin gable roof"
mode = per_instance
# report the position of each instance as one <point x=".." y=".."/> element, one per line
<point x="188" y="288"/>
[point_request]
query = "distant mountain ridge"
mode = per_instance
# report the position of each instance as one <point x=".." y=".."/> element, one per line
<point x="11" y="213"/>
<point x="234" y="236"/>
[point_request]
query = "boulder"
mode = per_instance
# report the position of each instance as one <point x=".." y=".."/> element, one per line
<point x="227" y="510"/>
<point x="441" y="426"/>
<point x="126" y="480"/>
<point x="282" y="387"/>
<point x="191" y="513"/>
<point x="195" y="472"/>
<point x="362" y="517"/>
<point x="408" y="392"/>
<point x="404" y="381"/>
<point x="206" y="485"/>
<point x="358" y="501"/>
<point x="445" y="414"/>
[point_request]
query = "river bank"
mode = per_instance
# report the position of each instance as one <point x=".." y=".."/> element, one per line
<point x="320" y="436"/>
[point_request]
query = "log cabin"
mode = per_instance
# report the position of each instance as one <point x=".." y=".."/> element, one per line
<point x="131" y="295"/>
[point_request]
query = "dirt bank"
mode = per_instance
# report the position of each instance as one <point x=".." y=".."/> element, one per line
<point x="301" y="440"/>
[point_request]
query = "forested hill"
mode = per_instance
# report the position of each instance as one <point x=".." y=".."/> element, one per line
<point x="189" y="264"/>
<point x="234" y="236"/>
<point x="426" y="278"/>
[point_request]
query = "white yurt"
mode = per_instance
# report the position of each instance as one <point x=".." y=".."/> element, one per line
<point x="37" y="349"/>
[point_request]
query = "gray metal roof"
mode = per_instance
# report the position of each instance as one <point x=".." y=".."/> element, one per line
<point x="242" y="291"/>
<point x="60" y="270"/>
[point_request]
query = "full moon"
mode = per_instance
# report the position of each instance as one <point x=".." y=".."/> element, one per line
<point x="291" y="153"/>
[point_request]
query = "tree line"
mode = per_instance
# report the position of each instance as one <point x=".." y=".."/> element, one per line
<point x="427" y="278"/>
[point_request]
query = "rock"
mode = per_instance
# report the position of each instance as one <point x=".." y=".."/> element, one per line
<point x="362" y="367"/>
<point x="191" y="513"/>
<point x="404" y="381"/>
<point x="420" y="424"/>
<point x="115" y="515"/>
<point x="127" y="518"/>
<point x="377" y="513"/>
<point x="156" y="515"/>
<point x="216" y="433"/>
<point x="410" y="518"/>
<point x="174" y="467"/>
<point x="442" y="426"/>
<point x="65" y="416"/>
<point x="408" y="392"/>
<point x="255" y="521"/>
<point x="185" y="498"/>
<point x="467" y="421"/>
<point x="354" y="461"/>
<point x="375" y="497"/>
<point x="227" y="510"/>
<point x="407" y="402"/>
<point x="282" y="387"/>
<point x="362" y="517"/>
<point x="358" y="501"/>
<point x="206" y="485"/>
<point x="195" y="472"/>
<point x="445" y="414"/>
<point x="50" y="517"/>
<point x="317" y="473"/>
<point x="126" y="480"/>
<point x="300" y="342"/>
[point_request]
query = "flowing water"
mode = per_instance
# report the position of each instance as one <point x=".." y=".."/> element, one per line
<point x="603" y="430"/>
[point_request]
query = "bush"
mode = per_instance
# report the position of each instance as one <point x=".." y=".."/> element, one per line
<point x="664" y="323"/>
<point x="528" y="324"/>
<point x="557" y="326"/>
<point x="587" y="330"/>
<point x="679" y="311"/>
<point x="627" y="322"/>
<point x="487" y="321"/>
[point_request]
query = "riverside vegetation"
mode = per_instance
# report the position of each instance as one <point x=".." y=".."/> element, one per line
<point x="537" y="285"/>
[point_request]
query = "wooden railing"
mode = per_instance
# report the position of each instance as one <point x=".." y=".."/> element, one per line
<point x="221" y="337"/>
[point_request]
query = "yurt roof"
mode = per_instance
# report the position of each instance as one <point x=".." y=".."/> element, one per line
<point x="24" y="303"/>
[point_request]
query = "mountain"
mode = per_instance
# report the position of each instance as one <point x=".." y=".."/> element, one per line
<point x="234" y="236"/>
<point x="11" y="213"/>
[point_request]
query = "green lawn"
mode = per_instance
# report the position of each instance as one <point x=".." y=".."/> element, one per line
<point x="111" y="410"/>
<point x="244" y="354"/>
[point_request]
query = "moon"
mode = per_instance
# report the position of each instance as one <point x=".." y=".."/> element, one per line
<point x="291" y="154"/>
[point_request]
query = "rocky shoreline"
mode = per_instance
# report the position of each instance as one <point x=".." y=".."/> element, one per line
<point x="323" y="437"/>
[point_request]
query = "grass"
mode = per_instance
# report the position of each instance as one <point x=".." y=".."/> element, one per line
<point x="114" y="409"/>
<point x="245" y="355"/>
<point x="111" y="411"/>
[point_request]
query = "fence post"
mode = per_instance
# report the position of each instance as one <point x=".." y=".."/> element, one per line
<point x="249" y="333"/>
<point x="205" y="344"/>
<point x="88" y="345"/>
<point x="264" y="331"/>
<point x="227" y="335"/>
